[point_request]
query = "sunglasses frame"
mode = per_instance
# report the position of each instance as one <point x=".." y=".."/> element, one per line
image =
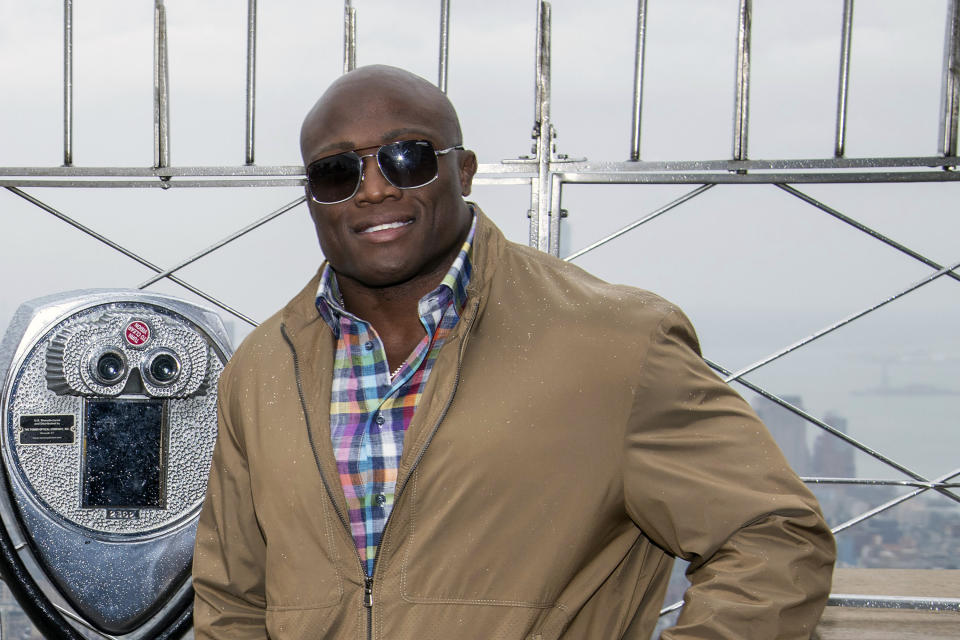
<point x="376" y="154"/>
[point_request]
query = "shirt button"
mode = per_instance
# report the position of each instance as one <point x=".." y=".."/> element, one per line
<point x="381" y="499"/>
<point x="380" y="419"/>
<point x="368" y="345"/>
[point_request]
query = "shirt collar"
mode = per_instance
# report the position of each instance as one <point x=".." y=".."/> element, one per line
<point x="330" y="303"/>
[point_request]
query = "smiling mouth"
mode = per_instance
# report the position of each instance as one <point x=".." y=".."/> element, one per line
<point x="384" y="227"/>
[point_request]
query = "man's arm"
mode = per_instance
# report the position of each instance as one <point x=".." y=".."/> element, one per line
<point x="228" y="563"/>
<point x="706" y="481"/>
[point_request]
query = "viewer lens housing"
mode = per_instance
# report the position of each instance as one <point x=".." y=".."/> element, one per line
<point x="163" y="368"/>
<point x="109" y="367"/>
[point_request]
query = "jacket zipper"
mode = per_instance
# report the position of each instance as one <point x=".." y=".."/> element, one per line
<point x="368" y="602"/>
<point x="368" y="578"/>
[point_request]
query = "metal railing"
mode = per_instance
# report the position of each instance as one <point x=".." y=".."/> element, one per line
<point x="545" y="172"/>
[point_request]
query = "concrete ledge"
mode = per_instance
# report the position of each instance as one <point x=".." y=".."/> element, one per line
<point x="859" y="623"/>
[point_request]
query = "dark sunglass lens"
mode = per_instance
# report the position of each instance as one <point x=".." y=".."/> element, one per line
<point x="335" y="178"/>
<point x="408" y="163"/>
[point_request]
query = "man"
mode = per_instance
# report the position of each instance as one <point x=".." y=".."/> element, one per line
<point x="447" y="435"/>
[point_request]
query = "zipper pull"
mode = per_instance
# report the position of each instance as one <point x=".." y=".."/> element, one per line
<point x="368" y="593"/>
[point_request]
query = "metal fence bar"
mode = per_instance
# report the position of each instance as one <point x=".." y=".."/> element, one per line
<point x="556" y="213"/>
<point x="845" y="321"/>
<point x="865" y="229"/>
<point x="444" y="56"/>
<point x="869" y="482"/>
<point x="844" y="81"/>
<point x="538" y="66"/>
<point x="349" y="36"/>
<point x="162" y="183"/>
<point x="161" y="89"/>
<point x="633" y="225"/>
<point x="741" y="110"/>
<point x="638" y="67"/>
<point x="950" y="113"/>
<point x="541" y="229"/>
<point x="741" y="177"/>
<point x="501" y="176"/>
<point x="88" y="628"/>
<point x="809" y="165"/>
<point x="579" y="171"/>
<point x="295" y="170"/>
<point x="225" y="241"/>
<point x="67" y="83"/>
<point x="836" y="432"/>
<point x="251" y="79"/>
<point x="133" y="256"/>
<point x="872" y="602"/>
<point x="893" y="602"/>
<point x="488" y="174"/>
<point x="892" y="503"/>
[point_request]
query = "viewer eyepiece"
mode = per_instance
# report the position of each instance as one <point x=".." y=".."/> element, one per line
<point x="163" y="368"/>
<point x="109" y="367"/>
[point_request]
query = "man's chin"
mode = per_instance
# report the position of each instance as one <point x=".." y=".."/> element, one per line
<point x="384" y="271"/>
<point x="384" y="277"/>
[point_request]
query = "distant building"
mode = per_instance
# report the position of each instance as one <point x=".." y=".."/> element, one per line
<point x="788" y="429"/>
<point x="922" y="533"/>
<point x="832" y="457"/>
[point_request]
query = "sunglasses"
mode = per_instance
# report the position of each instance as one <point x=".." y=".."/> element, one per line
<point x="406" y="164"/>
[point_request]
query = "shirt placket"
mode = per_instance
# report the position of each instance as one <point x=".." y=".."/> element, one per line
<point x="372" y="411"/>
<point x="366" y="451"/>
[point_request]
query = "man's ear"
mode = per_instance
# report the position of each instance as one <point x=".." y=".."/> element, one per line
<point x="468" y="167"/>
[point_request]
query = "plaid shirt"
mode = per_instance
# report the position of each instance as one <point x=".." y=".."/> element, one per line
<point x="369" y="411"/>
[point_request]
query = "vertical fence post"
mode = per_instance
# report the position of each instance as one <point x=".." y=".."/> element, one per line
<point x="638" y="65"/>
<point x="556" y="213"/>
<point x="349" y="36"/>
<point x="741" y="111"/>
<point x="544" y="234"/>
<point x="950" y="89"/>
<point x="251" y="78"/>
<point x="844" y="81"/>
<point x="67" y="83"/>
<point x="444" y="44"/>
<point x="161" y="89"/>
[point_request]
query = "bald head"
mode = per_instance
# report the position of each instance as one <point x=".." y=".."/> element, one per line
<point x="387" y="93"/>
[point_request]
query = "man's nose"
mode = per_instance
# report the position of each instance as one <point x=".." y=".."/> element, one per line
<point x="374" y="187"/>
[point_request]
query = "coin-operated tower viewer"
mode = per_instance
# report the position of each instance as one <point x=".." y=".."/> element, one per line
<point x="109" y="423"/>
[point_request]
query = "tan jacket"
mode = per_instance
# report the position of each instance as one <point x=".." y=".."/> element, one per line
<point x="569" y="442"/>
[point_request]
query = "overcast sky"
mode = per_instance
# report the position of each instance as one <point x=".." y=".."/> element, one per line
<point x="755" y="268"/>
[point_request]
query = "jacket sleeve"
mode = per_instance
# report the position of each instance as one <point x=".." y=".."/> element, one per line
<point x="228" y="564"/>
<point x="705" y="481"/>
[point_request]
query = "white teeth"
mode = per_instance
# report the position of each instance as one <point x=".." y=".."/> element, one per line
<point x="390" y="225"/>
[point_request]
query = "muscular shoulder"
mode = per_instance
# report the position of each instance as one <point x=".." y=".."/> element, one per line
<point x="539" y="282"/>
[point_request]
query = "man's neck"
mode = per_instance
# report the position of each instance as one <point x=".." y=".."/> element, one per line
<point x="392" y="311"/>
